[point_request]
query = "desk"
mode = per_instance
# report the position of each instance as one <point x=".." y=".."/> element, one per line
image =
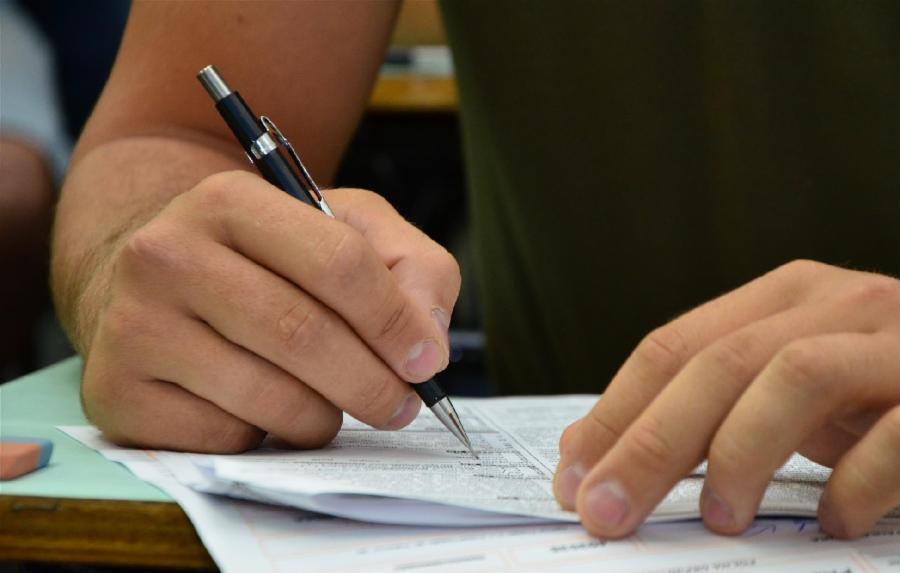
<point x="82" y="508"/>
<point x="414" y="93"/>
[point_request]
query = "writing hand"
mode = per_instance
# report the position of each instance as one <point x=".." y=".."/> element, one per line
<point x="805" y="358"/>
<point x="239" y="311"/>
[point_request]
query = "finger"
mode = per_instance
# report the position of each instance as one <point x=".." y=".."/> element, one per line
<point x="328" y="259"/>
<point x="200" y="360"/>
<point x="133" y="409"/>
<point x="260" y="311"/>
<point x="423" y="269"/>
<point x="672" y="435"/>
<point x="827" y="445"/>
<point x="809" y="383"/>
<point x="865" y="485"/>
<point x="657" y="360"/>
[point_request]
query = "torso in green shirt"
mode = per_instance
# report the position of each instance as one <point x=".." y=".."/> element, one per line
<point x="628" y="160"/>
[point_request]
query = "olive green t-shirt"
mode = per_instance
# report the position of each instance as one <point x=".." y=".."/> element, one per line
<point x="628" y="160"/>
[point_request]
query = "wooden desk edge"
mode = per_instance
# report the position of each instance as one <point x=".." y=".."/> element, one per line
<point x="99" y="532"/>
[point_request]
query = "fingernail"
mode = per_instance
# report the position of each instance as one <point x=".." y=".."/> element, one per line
<point x="567" y="484"/>
<point x="715" y="511"/>
<point x="424" y="360"/>
<point x="405" y="414"/>
<point x="606" y="504"/>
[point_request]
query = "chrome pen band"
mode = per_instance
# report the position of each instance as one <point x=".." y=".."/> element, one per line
<point x="263" y="146"/>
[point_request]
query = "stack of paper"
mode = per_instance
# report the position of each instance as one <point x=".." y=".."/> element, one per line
<point x="422" y="476"/>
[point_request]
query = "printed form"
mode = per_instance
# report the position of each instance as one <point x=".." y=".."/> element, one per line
<point x="364" y="472"/>
<point x="243" y="536"/>
<point x="397" y="481"/>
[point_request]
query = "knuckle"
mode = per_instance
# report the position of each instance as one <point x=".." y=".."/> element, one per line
<point x="874" y="291"/>
<point x="231" y="437"/>
<point x="282" y="410"/>
<point x="292" y="411"/>
<point x="344" y="259"/>
<point x="648" y="446"/>
<point x="664" y="350"/>
<point x="323" y="431"/>
<point x="601" y="428"/>
<point x="352" y="201"/>
<point x="733" y="355"/>
<point x="372" y="199"/>
<point x="800" y="268"/>
<point x="802" y="364"/>
<point x="795" y="279"/>
<point x="300" y="328"/>
<point x="396" y="316"/>
<point x="728" y="456"/>
<point x="375" y="399"/>
<point x="219" y="190"/>
<point x="152" y="247"/>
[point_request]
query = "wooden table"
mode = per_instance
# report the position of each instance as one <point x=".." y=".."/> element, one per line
<point x="99" y="532"/>
<point x="82" y="508"/>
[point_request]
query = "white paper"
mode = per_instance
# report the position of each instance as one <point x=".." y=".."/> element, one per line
<point x="242" y="536"/>
<point x="423" y="462"/>
<point x="363" y="470"/>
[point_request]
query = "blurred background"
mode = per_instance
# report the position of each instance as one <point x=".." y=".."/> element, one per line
<point x="55" y="56"/>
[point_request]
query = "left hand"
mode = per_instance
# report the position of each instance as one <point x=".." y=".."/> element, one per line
<point x="805" y="358"/>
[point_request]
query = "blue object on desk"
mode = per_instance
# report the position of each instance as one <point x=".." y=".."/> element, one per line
<point x="20" y="456"/>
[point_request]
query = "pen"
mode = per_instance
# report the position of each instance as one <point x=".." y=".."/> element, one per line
<point x="260" y="138"/>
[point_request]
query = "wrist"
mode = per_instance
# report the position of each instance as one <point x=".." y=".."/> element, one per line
<point x="110" y="192"/>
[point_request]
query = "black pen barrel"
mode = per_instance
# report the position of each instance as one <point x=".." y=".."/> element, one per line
<point x="272" y="164"/>
<point x="240" y="119"/>
<point x="277" y="170"/>
<point x="430" y="392"/>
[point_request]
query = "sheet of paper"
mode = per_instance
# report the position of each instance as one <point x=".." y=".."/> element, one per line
<point x="243" y="536"/>
<point x="424" y="462"/>
<point x="516" y="439"/>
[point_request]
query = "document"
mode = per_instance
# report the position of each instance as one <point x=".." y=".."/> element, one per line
<point x="421" y="475"/>
<point x="244" y="536"/>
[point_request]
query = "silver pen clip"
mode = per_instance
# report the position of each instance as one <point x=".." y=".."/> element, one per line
<point x="308" y="182"/>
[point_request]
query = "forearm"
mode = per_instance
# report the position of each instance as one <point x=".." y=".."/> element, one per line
<point x="111" y="191"/>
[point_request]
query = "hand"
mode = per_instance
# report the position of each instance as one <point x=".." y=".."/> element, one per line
<point x="239" y="310"/>
<point x="805" y="358"/>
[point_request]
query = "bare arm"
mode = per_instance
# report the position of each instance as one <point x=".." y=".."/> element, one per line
<point x="209" y="305"/>
<point x="154" y="133"/>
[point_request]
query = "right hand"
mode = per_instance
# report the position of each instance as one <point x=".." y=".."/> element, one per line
<point x="239" y="311"/>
